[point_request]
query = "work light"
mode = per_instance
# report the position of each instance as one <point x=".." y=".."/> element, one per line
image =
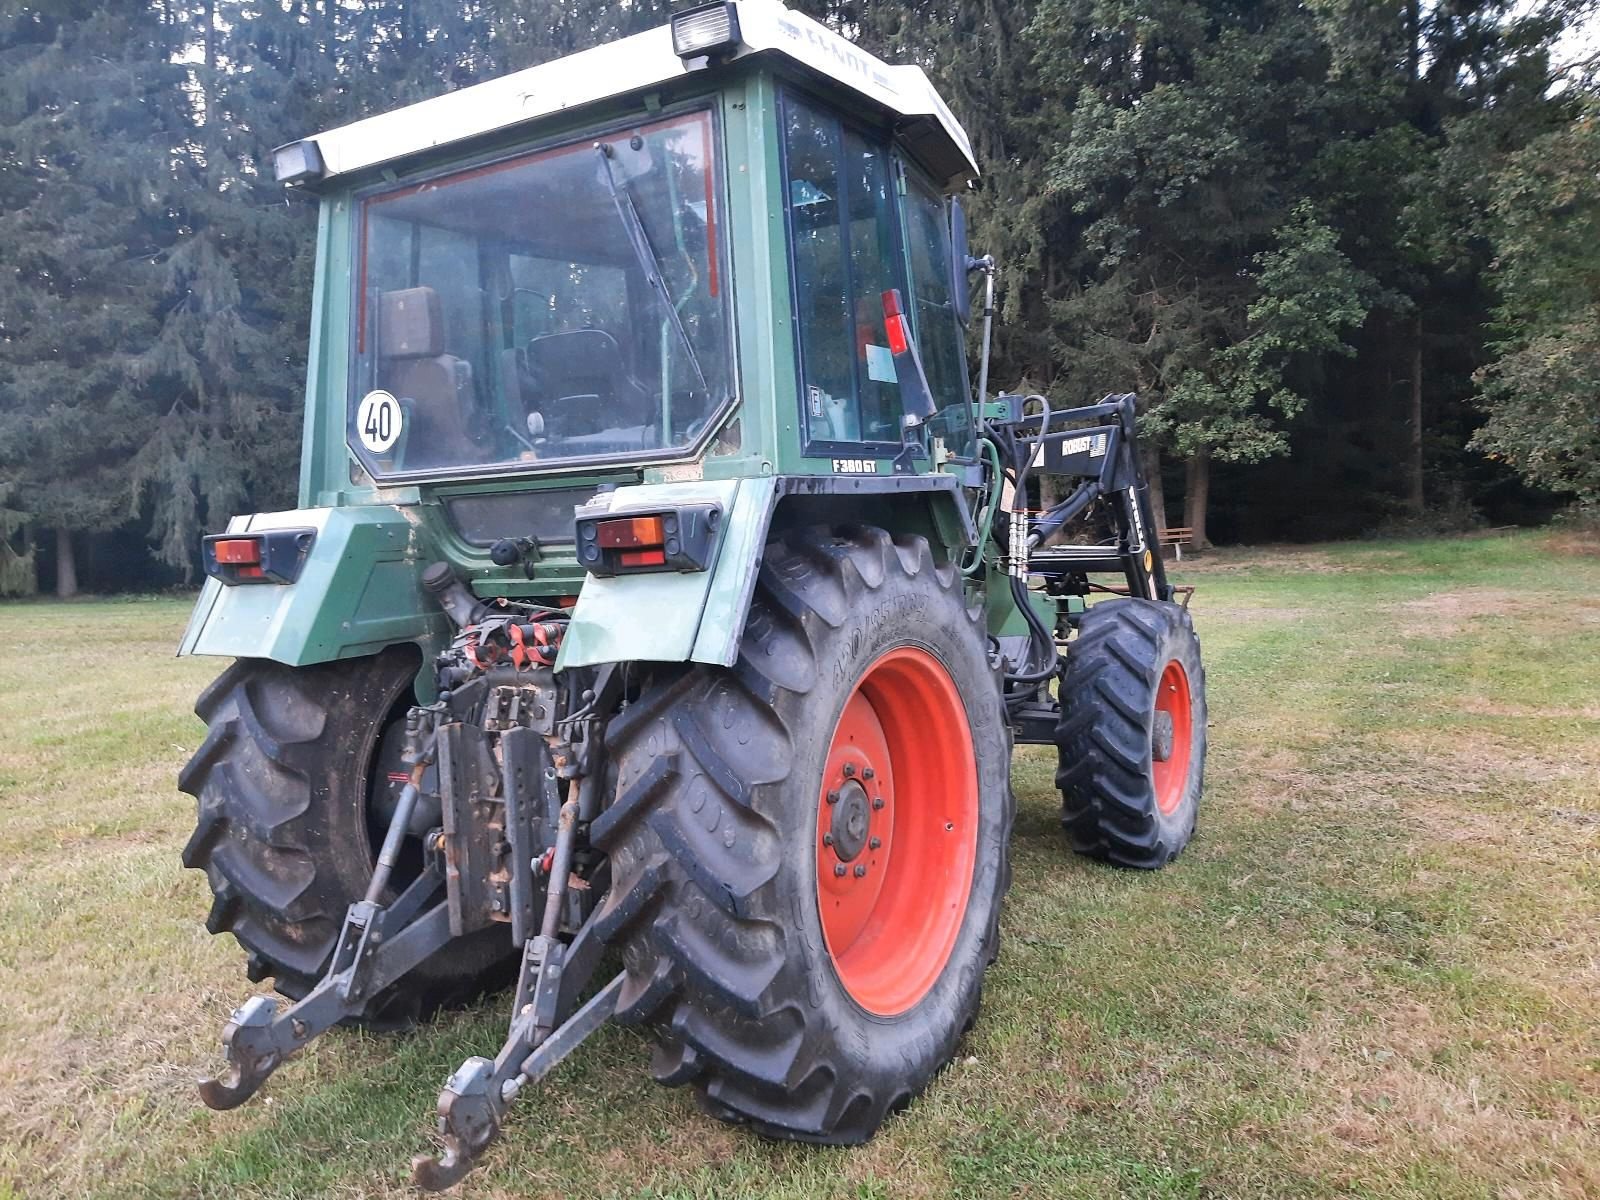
<point x="705" y="32"/>
<point x="297" y="162"/>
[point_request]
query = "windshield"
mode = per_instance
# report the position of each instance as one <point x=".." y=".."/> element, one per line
<point x="567" y="304"/>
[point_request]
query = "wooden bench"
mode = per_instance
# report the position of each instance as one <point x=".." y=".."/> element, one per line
<point x="1177" y="537"/>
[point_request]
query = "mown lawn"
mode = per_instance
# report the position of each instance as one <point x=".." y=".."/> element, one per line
<point x="1374" y="973"/>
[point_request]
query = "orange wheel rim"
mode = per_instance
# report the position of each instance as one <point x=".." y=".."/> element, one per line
<point x="1172" y="746"/>
<point x="897" y="831"/>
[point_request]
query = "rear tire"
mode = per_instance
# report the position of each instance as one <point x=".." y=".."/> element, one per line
<point x="285" y="783"/>
<point x="715" y="837"/>
<point x="1132" y="736"/>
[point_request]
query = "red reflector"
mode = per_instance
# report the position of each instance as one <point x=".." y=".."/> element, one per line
<point x="643" y="558"/>
<point x="891" y="303"/>
<point x="895" y="327"/>
<point x="251" y="573"/>
<point x="237" y="550"/>
<point x="626" y="532"/>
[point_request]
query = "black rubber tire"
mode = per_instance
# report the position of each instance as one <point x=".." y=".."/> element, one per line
<point x="714" y="905"/>
<point x="282" y="783"/>
<point x="1108" y="698"/>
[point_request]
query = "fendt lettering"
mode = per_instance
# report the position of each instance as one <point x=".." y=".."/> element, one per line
<point x="611" y="629"/>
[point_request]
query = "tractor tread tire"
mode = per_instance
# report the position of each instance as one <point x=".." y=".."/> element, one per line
<point x="272" y="781"/>
<point x="710" y="941"/>
<point x="1104" y="735"/>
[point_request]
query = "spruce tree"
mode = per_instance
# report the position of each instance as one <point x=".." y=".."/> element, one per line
<point x="88" y="116"/>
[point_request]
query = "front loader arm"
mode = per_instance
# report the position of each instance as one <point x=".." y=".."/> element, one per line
<point x="1096" y="444"/>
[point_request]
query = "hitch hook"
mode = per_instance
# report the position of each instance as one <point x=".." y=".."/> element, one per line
<point x="248" y="1048"/>
<point x="476" y="1098"/>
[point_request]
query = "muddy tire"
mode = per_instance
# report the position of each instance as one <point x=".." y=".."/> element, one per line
<point x="787" y="1000"/>
<point x="1132" y="736"/>
<point x="287" y="782"/>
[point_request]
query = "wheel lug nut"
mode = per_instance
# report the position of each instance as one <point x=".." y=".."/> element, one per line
<point x="838" y="868"/>
<point x="877" y="802"/>
<point x="868" y="773"/>
<point x="849" y="770"/>
<point x="827" y="839"/>
<point x="875" y="843"/>
<point x="860" y="870"/>
<point x="833" y="797"/>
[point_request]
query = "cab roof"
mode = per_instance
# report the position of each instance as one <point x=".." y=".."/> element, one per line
<point x="648" y="60"/>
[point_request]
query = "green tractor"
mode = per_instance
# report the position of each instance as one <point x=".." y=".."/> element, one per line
<point x="664" y="602"/>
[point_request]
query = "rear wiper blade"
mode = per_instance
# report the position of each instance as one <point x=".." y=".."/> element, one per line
<point x="648" y="262"/>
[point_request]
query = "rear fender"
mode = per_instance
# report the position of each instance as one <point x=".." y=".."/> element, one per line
<point x="699" y="616"/>
<point x="358" y="592"/>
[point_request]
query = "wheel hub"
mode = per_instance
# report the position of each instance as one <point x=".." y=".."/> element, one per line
<point x="852" y="818"/>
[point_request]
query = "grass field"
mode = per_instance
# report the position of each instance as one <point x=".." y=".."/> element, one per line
<point x="1375" y="972"/>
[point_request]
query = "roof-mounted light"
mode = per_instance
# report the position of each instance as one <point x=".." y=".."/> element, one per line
<point x="704" y="33"/>
<point x="298" y="162"/>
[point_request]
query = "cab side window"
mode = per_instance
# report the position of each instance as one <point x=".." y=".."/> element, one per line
<point x="938" y="330"/>
<point x="842" y="235"/>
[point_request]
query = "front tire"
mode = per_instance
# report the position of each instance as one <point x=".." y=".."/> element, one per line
<point x="1132" y="736"/>
<point x="727" y="888"/>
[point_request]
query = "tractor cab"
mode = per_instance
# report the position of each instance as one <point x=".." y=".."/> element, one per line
<point x="517" y="316"/>
<point x="719" y="255"/>
<point x="670" y="254"/>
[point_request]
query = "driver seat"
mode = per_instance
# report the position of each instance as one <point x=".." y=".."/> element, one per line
<point x="434" y="388"/>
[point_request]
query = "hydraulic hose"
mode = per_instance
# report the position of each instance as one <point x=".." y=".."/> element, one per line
<point x="991" y="502"/>
<point x="1022" y="460"/>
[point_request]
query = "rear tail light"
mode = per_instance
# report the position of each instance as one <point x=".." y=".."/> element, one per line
<point x="238" y="551"/>
<point x="676" y="539"/>
<point x="642" y="558"/>
<point x="272" y="556"/>
<point x="630" y="532"/>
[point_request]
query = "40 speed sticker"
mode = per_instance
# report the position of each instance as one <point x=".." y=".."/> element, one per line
<point x="378" y="421"/>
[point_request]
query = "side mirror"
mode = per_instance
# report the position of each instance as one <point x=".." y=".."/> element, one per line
<point x="960" y="293"/>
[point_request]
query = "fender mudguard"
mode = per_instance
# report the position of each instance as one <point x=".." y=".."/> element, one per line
<point x="699" y="616"/>
<point x="359" y="591"/>
<point x="673" y="616"/>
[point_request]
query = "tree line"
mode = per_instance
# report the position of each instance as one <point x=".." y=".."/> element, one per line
<point x="1345" y="250"/>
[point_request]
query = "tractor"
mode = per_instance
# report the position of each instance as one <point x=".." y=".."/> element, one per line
<point x="665" y="601"/>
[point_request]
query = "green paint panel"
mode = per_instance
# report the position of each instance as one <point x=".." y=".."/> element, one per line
<point x="1004" y="618"/>
<point x="672" y="616"/>
<point x="728" y="599"/>
<point x="359" y="592"/>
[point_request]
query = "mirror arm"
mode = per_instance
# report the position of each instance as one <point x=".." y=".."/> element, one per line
<point x="987" y="266"/>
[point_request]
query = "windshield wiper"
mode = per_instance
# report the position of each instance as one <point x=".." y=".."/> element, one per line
<point x="648" y="262"/>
